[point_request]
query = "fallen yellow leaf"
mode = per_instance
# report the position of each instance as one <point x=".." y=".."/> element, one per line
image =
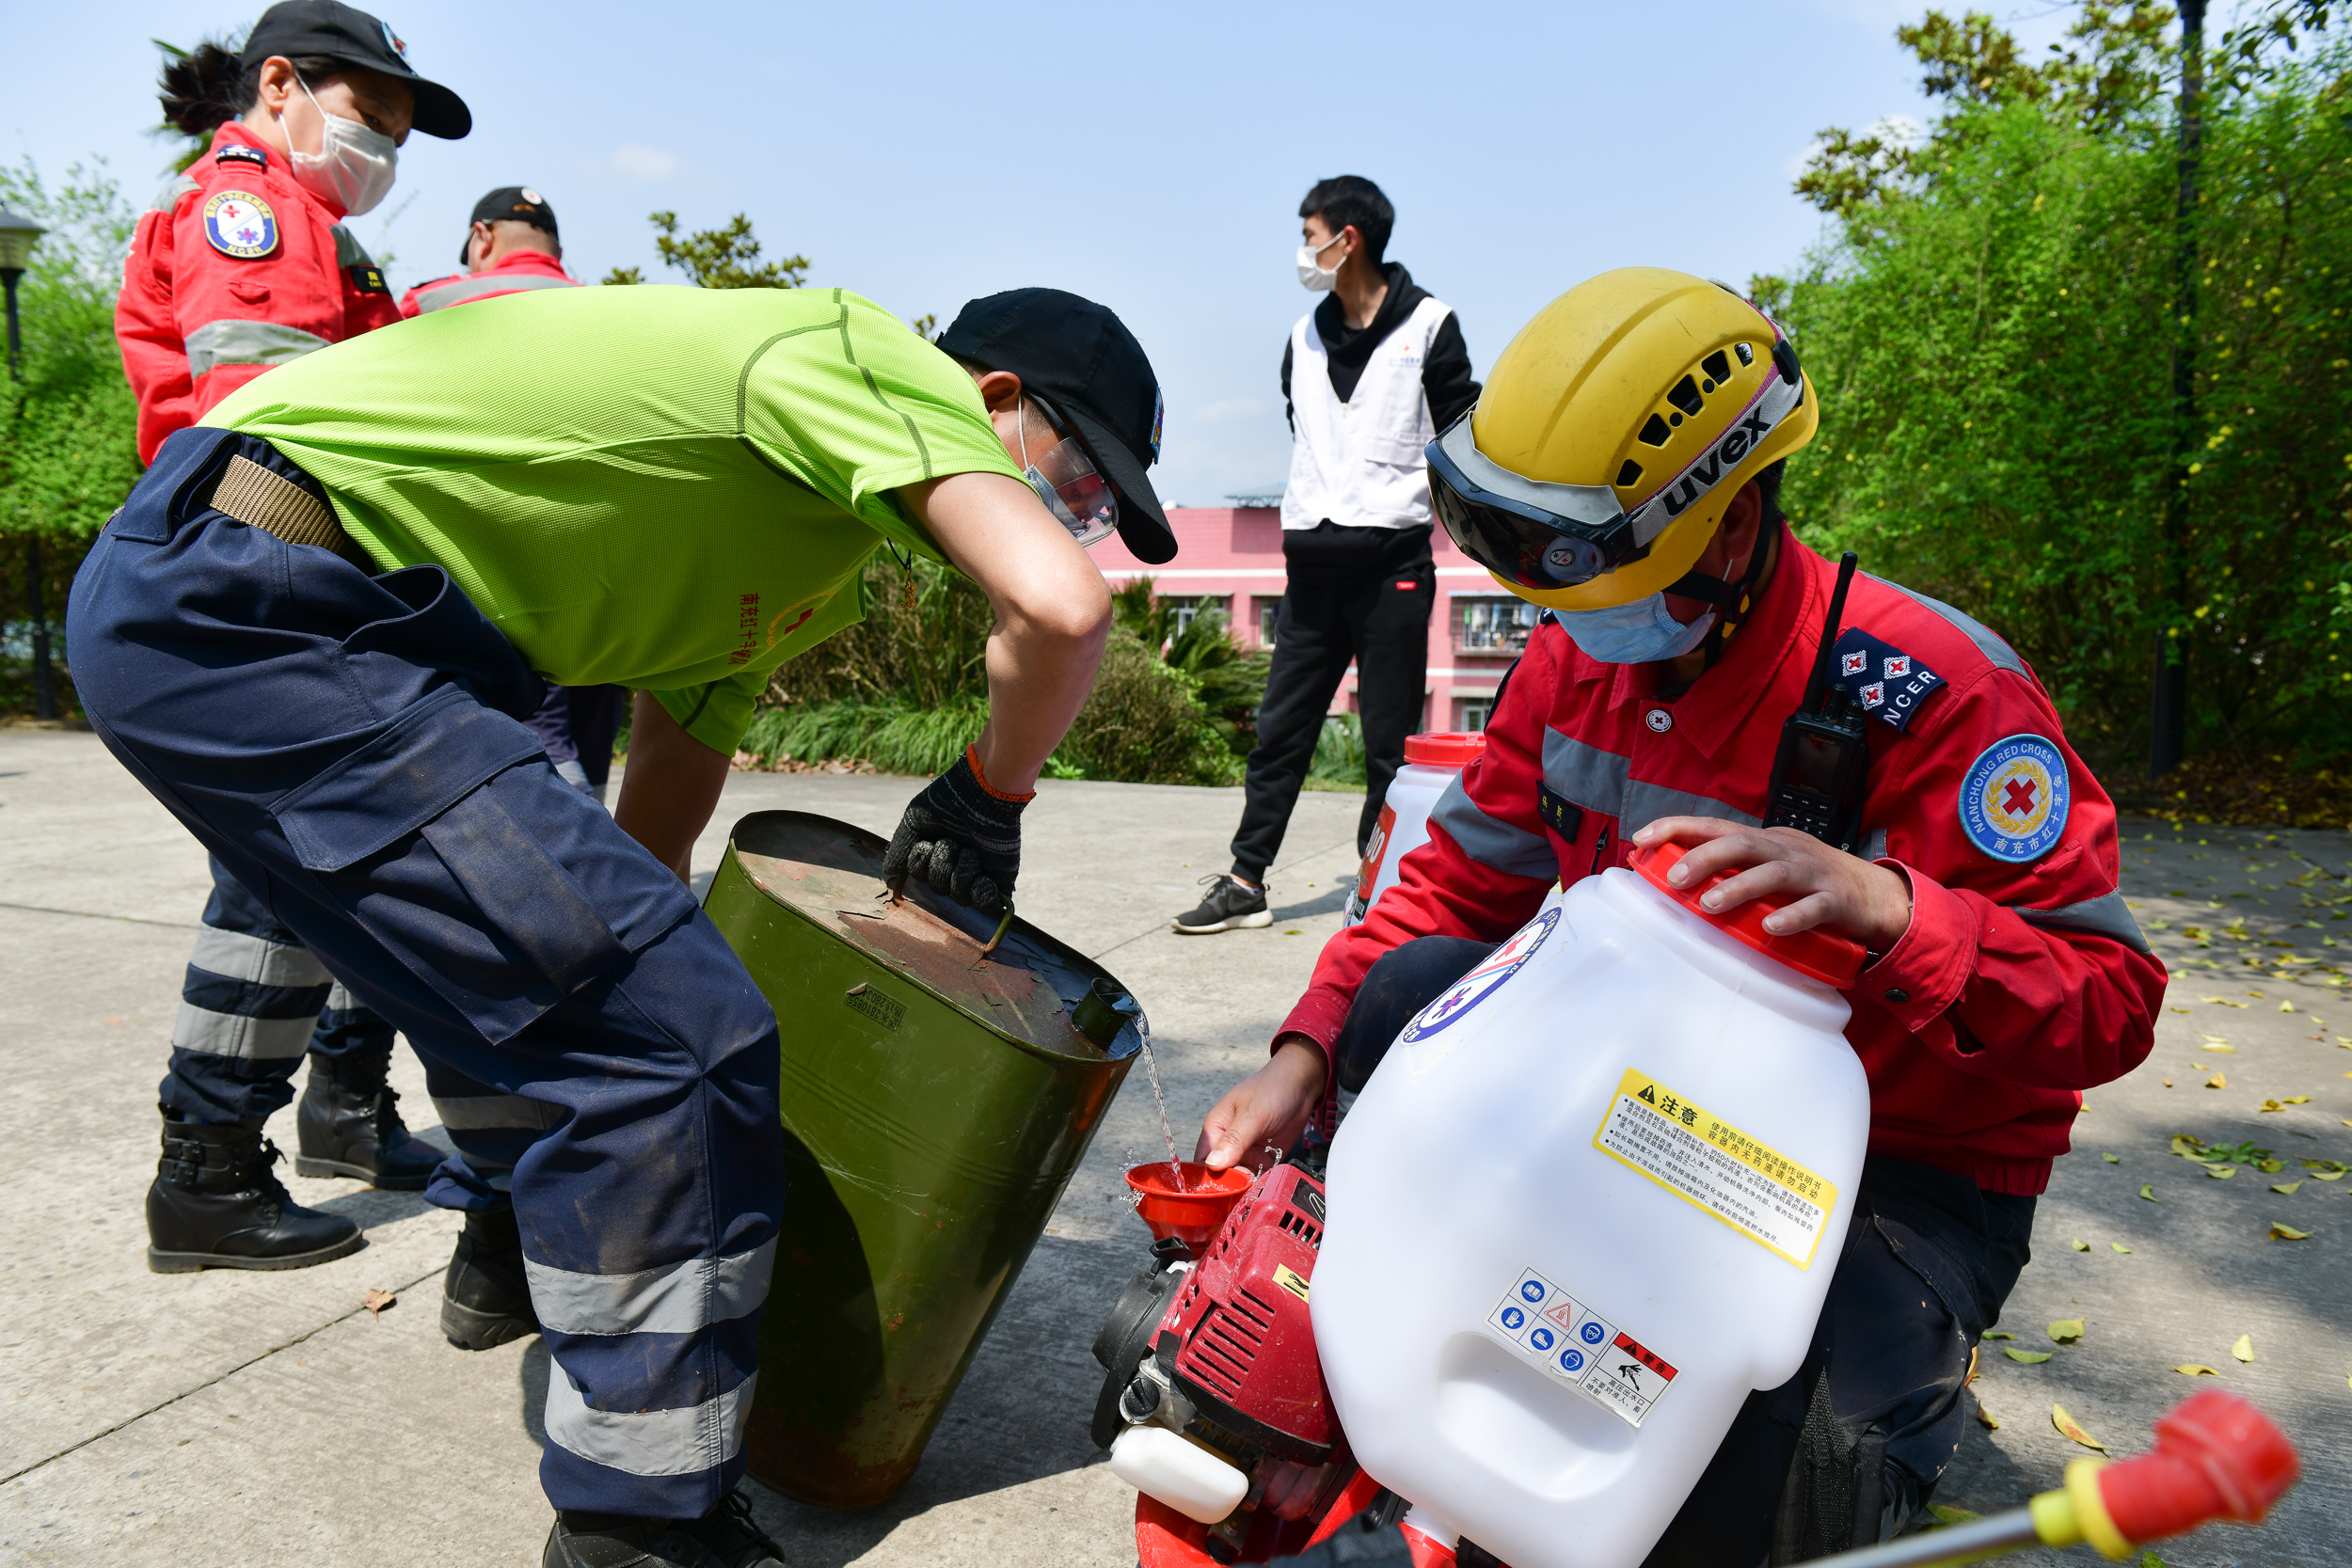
<point x="2066" y="1331"/>
<point x="1986" y="1420"/>
<point x="2067" y="1424"/>
<point x="2025" y="1357"/>
<point x="1997" y="1334"/>
<point x="2176" y="1008"/>
<point x="2244" y="1349"/>
<point x="2081" y="1245"/>
<point x="1951" y="1515"/>
<point x="2295" y="1100"/>
<point x="2269" y="1105"/>
<point x="2286" y="1187"/>
<point x="2327" y="1176"/>
<point x="2153" y="1199"/>
<point x="376" y="1301"/>
<point x="2287" y="1233"/>
<point x="2117" y="1159"/>
<point x="2286" y="1006"/>
<point x="2119" y="1247"/>
<point x="2221" y="1173"/>
<point x="2190" y="1368"/>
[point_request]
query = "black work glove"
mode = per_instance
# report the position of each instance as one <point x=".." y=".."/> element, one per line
<point x="961" y="838"/>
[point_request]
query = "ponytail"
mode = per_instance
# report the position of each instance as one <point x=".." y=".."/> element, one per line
<point x="205" y="87"/>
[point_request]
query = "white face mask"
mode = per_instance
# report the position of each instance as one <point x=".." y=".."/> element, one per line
<point x="1638" y="633"/>
<point x="352" y="166"/>
<point x="1311" y="273"/>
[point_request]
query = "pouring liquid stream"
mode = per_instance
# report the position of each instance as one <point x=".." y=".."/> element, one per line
<point x="1175" y="1168"/>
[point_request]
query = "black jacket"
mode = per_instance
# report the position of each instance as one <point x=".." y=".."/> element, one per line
<point x="1445" y="376"/>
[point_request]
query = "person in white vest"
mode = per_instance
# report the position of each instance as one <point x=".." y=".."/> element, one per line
<point x="1368" y="377"/>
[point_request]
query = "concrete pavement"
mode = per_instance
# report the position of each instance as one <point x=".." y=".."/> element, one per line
<point x="247" y="1417"/>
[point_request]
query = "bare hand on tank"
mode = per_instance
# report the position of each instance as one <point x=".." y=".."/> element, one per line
<point x="1821" y="886"/>
<point x="1270" y="1106"/>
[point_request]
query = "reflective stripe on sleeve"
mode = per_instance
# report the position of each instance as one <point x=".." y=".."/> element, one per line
<point x="680" y="1441"/>
<point x="242" y="342"/>
<point x="465" y="288"/>
<point x="241" y="956"/>
<point x="168" y="197"/>
<point x="252" y="1039"/>
<point x="1996" y="653"/>
<point x="681" y="1298"/>
<point x="1496" y="845"/>
<point x="349" y="252"/>
<point x="491" y="1112"/>
<point x="1645" y="803"/>
<point x="1585" y="775"/>
<point x="2104" y="916"/>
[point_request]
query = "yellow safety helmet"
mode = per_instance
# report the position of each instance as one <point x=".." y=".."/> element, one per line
<point x="1613" y="433"/>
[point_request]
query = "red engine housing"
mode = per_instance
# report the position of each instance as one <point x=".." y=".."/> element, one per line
<point x="1237" y="1335"/>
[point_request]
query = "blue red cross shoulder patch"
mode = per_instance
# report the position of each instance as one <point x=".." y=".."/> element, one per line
<point x="1887" y="682"/>
<point x="240" y="224"/>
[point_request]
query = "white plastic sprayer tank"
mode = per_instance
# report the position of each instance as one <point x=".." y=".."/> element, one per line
<point x="1592" y="1198"/>
<point x="1431" y="763"/>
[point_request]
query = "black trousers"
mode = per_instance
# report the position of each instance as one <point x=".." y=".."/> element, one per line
<point x="1354" y="594"/>
<point x="1848" y="1450"/>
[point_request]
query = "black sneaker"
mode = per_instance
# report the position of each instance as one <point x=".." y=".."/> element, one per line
<point x="1229" y="907"/>
<point x="726" y="1537"/>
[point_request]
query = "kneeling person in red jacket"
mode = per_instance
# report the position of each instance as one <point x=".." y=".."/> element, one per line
<point x="511" y="245"/>
<point x="1623" y="469"/>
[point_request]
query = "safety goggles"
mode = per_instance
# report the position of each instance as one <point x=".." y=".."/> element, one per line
<point x="1066" y="480"/>
<point x="1550" y="537"/>
<point x="1525" y="530"/>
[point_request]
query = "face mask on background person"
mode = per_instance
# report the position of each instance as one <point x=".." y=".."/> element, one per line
<point x="1637" y="633"/>
<point x="353" y="165"/>
<point x="1311" y="273"/>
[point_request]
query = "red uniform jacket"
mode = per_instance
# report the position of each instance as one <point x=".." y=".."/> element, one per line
<point x="2022" y="979"/>
<point x="515" y="272"/>
<point x="235" y="268"/>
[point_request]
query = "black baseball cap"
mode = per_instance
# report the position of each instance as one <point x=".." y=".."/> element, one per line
<point x="519" y="203"/>
<point x="352" y="36"/>
<point x="1081" y="361"/>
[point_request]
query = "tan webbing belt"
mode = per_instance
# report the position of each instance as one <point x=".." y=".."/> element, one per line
<point x="275" y="504"/>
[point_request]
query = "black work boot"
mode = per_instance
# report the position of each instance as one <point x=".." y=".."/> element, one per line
<point x="349" y="1125"/>
<point x="216" y="1204"/>
<point x="726" y="1537"/>
<point x="486" y="1296"/>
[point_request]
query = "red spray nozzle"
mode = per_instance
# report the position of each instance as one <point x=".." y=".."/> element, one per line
<point x="1189" y="1202"/>
<point x="2216" y="1457"/>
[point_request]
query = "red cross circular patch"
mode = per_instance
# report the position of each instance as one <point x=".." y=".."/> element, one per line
<point x="2014" y="802"/>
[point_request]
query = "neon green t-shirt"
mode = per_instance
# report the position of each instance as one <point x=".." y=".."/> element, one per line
<point x="664" y="487"/>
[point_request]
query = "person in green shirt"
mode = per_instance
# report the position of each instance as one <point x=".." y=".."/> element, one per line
<point x="312" y="632"/>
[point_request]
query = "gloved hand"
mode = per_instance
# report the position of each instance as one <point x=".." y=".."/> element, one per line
<point x="960" y="836"/>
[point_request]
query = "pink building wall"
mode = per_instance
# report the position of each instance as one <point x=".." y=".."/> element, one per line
<point x="1233" y="556"/>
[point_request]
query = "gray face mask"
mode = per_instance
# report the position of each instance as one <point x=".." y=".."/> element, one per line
<point x="1637" y="633"/>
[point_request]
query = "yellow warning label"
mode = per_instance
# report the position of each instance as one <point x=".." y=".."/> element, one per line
<point x="1289" y="1281"/>
<point x="1744" y="1183"/>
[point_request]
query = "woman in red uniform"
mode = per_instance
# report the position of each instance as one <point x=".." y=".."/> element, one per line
<point x="243" y="264"/>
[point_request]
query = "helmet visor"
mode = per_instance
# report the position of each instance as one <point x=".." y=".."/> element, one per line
<point x="1526" y="532"/>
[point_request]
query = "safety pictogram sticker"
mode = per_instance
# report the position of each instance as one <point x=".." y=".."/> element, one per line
<point x="1583" y="1349"/>
<point x="1703" y="1159"/>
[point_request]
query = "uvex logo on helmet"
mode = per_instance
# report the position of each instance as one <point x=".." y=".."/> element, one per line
<point x="1774" y="401"/>
<point x="1719" y="459"/>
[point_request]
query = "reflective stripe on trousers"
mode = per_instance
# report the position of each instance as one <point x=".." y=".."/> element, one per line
<point x="418" y="842"/>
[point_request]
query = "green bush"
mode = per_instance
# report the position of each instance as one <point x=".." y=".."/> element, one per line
<point x="1990" y="325"/>
<point x="1339" y="754"/>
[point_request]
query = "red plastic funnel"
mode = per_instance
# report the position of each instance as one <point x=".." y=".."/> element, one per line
<point x="1191" y="1213"/>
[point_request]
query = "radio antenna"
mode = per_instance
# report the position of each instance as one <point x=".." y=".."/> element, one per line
<point x="1820" y="683"/>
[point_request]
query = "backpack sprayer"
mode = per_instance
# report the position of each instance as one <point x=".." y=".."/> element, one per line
<point x="1215" y="1408"/>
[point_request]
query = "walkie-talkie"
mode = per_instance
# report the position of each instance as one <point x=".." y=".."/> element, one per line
<point x="1817" y="779"/>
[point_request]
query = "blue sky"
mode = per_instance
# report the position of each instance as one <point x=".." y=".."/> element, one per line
<point x="1149" y="157"/>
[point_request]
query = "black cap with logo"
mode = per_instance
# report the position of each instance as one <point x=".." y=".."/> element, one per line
<point x="516" y="203"/>
<point x="352" y="36"/>
<point x="1078" y="358"/>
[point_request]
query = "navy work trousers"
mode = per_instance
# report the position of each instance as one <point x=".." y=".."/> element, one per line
<point x="1846" y="1452"/>
<point x="348" y="747"/>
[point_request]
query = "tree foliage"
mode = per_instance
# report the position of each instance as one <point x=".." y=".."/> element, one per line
<point x="1991" y="326"/>
<point x="718" y="258"/>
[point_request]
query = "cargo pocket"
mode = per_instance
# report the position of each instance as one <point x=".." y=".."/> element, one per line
<point x="461" y="863"/>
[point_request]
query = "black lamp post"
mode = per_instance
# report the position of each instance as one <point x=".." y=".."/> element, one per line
<point x="17" y="234"/>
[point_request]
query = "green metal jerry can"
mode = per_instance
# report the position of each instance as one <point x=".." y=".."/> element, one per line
<point x="936" y="1099"/>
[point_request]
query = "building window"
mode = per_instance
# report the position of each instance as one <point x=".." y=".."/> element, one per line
<point x="1470" y="713"/>
<point x="1185" y="606"/>
<point x="1499" y="625"/>
<point x="1269" y="610"/>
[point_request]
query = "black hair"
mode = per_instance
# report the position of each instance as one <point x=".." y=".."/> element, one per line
<point x="211" y="85"/>
<point x="1351" y="198"/>
<point x="1767" y="490"/>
